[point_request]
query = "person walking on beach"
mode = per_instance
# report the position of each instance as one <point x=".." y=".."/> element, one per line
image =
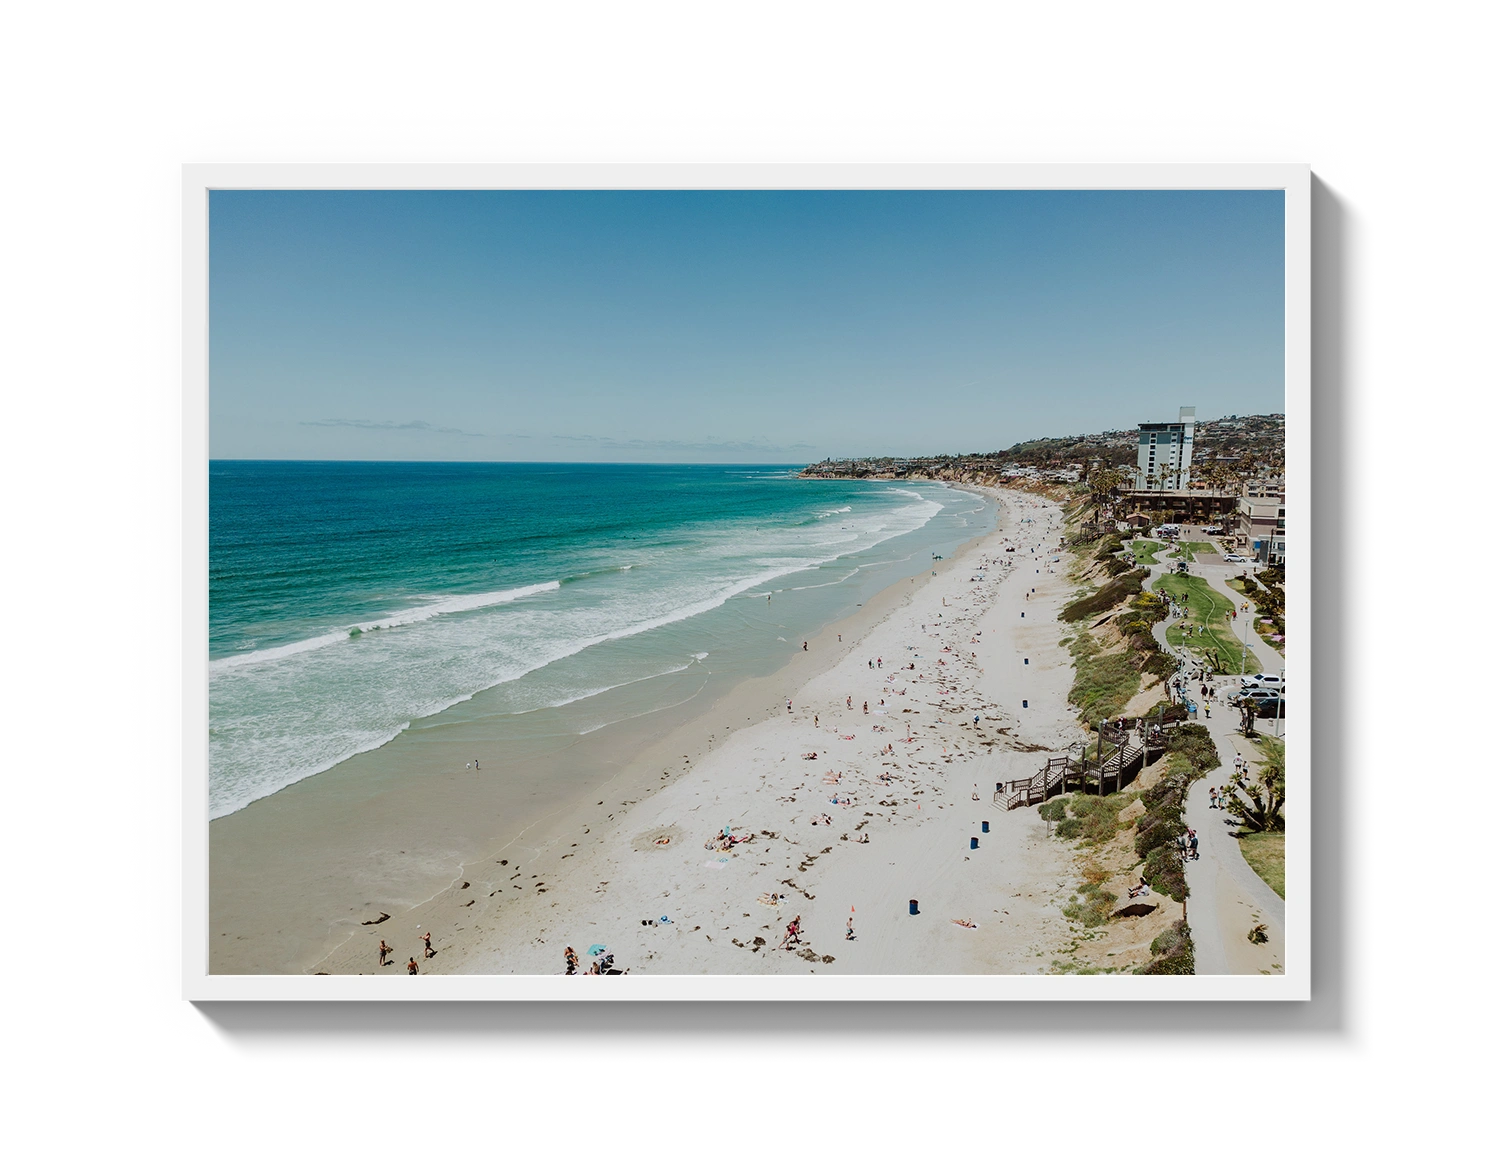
<point x="867" y="706"/>
<point x="849" y="928"/>
<point x="815" y="719"/>
<point x="411" y="965"/>
<point x="804" y="645"/>
<point x="426" y="941"/>
<point x="384" y="951"/>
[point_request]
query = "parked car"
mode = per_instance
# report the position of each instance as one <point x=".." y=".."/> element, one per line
<point x="1271" y="708"/>
<point x="1235" y="559"/>
<point x="1273" y="682"/>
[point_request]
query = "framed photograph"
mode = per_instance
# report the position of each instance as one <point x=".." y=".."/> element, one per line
<point x="746" y="582"/>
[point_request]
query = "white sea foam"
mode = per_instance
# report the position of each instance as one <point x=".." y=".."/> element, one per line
<point x="406" y="617"/>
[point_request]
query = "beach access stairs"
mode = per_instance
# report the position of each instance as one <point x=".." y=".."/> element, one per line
<point x="1115" y="764"/>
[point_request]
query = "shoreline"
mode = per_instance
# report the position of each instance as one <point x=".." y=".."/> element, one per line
<point x="493" y="917"/>
<point x="393" y="844"/>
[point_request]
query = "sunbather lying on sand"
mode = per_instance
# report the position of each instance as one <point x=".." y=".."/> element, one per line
<point x="965" y="923"/>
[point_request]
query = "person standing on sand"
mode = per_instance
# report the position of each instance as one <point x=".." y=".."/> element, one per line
<point x="849" y="928"/>
<point x="426" y="941"/>
<point x="804" y="645"/>
<point x="411" y="965"/>
<point x="570" y="958"/>
<point x="384" y="951"/>
<point x="815" y="719"/>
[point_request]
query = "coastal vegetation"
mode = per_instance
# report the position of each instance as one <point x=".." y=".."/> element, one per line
<point x="1102" y="683"/>
<point x="1190" y="754"/>
<point x="1145" y="551"/>
<point x="1173" y="951"/>
<point x="1105" y="599"/>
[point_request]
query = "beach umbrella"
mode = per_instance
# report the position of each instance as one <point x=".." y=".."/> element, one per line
<point x="598" y="949"/>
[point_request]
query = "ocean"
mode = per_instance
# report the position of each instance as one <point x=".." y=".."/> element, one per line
<point x="351" y="601"/>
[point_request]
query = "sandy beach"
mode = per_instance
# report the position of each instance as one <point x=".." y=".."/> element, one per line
<point x="888" y="811"/>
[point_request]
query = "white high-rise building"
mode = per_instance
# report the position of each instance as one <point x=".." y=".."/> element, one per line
<point x="1165" y="454"/>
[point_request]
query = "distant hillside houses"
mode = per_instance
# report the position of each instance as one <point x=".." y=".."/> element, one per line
<point x="1227" y="452"/>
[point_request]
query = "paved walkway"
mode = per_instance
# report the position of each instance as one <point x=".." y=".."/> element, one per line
<point x="1226" y="898"/>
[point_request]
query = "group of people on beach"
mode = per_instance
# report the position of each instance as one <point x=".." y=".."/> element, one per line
<point x="386" y="950"/>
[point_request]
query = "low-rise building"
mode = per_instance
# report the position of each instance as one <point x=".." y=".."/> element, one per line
<point x="1261" y="528"/>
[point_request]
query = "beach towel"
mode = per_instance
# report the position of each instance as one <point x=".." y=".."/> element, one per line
<point x="598" y="949"/>
<point x="716" y="863"/>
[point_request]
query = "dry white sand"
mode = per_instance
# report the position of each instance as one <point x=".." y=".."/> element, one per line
<point x="956" y="648"/>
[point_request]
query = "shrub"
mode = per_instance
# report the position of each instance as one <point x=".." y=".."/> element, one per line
<point x="1192" y="743"/>
<point x="1093" y="910"/>
<point x="1104" y="599"/>
<point x="1162" y="830"/>
<point x="1163" y="872"/>
<point x="1054" y="810"/>
<point x="1160" y="664"/>
<point x="1173" y="949"/>
<point x="1169" y="940"/>
<point x="1098" y="817"/>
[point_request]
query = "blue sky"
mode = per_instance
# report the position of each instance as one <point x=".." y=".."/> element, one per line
<point x="770" y="327"/>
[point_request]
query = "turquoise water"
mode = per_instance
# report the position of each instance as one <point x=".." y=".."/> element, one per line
<point x="349" y="599"/>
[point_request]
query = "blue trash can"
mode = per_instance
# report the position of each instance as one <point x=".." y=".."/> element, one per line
<point x="1023" y="702"/>
<point x="973" y="842"/>
<point x="984" y="826"/>
<point x="1025" y="662"/>
<point x="914" y="909"/>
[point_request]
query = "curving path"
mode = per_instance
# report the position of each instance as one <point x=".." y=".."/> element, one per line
<point x="1226" y="898"/>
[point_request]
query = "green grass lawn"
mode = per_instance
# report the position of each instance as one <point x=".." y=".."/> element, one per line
<point x="1200" y="546"/>
<point x="1266" y="854"/>
<point x="1144" y="551"/>
<point x="1212" y="610"/>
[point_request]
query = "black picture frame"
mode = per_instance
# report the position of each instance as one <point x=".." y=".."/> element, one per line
<point x="1337" y="1023"/>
